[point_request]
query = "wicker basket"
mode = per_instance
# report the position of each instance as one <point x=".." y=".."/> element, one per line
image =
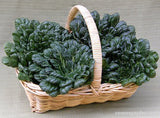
<point x="96" y="92"/>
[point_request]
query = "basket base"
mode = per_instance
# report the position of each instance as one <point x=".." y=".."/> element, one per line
<point x="109" y="92"/>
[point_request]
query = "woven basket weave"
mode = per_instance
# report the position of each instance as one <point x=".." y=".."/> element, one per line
<point x="96" y="92"/>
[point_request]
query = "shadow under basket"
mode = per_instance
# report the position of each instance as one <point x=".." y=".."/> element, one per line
<point x="41" y="102"/>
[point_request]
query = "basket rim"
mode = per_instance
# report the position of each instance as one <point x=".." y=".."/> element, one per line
<point x="35" y="88"/>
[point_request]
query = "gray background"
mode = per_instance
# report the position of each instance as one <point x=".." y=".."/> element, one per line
<point x="143" y="14"/>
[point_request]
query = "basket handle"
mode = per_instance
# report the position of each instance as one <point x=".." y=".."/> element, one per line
<point x="95" y="41"/>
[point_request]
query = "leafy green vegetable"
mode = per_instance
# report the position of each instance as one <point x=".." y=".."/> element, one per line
<point x="62" y="67"/>
<point x="126" y="59"/>
<point x="31" y="37"/>
<point x="9" y="61"/>
<point x="9" y="48"/>
<point x="23" y="76"/>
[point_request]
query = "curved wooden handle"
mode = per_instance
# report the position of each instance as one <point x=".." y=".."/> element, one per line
<point x="95" y="41"/>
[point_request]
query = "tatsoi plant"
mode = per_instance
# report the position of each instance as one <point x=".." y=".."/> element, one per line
<point x="31" y="37"/>
<point x="63" y="66"/>
<point x="126" y="59"/>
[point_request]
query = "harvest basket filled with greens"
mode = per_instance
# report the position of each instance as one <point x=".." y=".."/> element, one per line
<point x="92" y="59"/>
